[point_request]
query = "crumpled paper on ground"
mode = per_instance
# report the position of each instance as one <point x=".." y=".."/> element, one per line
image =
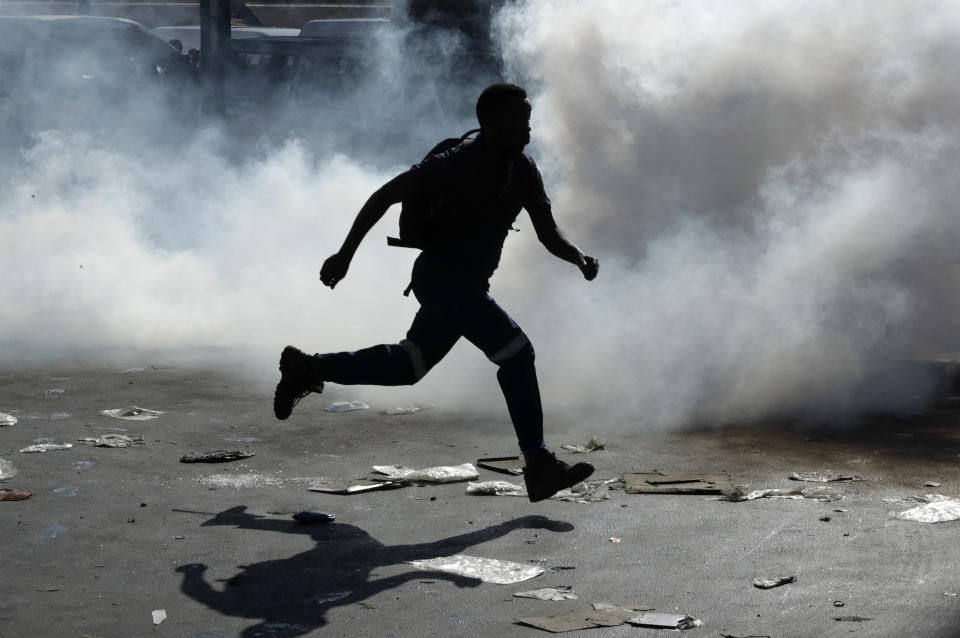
<point x="113" y="440"/>
<point x="593" y="444"/>
<point x="346" y="406"/>
<point x="936" y="508"/>
<point x="133" y="413"/>
<point x="824" y="477"/>
<point x="46" y="447"/>
<point x="585" y="492"/>
<point x="770" y="583"/>
<point x="665" y="621"/>
<point x="7" y="494"/>
<point x="560" y="592"/>
<point x="7" y="470"/>
<point x="823" y="494"/>
<point x="489" y="570"/>
<point x="7" y="419"/>
<point x="440" y="474"/>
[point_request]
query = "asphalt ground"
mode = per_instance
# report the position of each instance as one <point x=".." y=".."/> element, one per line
<point x="110" y="535"/>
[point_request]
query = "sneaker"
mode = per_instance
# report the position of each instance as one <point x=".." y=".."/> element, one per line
<point x="297" y="380"/>
<point x="545" y="475"/>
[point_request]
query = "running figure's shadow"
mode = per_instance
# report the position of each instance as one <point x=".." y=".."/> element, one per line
<point x="292" y="595"/>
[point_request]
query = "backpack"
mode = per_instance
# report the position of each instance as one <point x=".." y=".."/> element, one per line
<point x="417" y="213"/>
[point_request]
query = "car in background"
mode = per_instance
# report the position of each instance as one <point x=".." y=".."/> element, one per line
<point x="91" y="72"/>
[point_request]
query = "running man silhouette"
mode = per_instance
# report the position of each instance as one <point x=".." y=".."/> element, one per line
<point x="482" y="184"/>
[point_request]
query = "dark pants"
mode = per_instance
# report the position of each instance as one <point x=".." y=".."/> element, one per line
<point x="451" y="306"/>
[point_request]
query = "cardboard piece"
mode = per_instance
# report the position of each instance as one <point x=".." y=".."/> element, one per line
<point x="503" y="464"/>
<point x="603" y="615"/>
<point x="664" y="621"/>
<point x="677" y="483"/>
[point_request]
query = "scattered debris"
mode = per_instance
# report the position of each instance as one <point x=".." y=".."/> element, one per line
<point x="7" y="419"/>
<point x="951" y="594"/>
<point x="440" y="474"/>
<point x="931" y="484"/>
<point x="159" y="615"/>
<point x="46" y="447"/>
<point x="67" y="490"/>
<point x="593" y="444"/>
<point x="53" y="393"/>
<point x="495" y="488"/>
<point x="677" y="482"/>
<point x="238" y="481"/>
<point x="824" y="477"/>
<point x="313" y="517"/>
<point x="851" y="618"/>
<point x="603" y="615"/>
<point x="216" y="456"/>
<point x="7" y="470"/>
<point x="356" y="486"/>
<point x="7" y="494"/>
<point x="770" y="583"/>
<point x="615" y="539"/>
<point x="346" y="406"/>
<point x="823" y="494"/>
<point x="80" y="466"/>
<point x="838" y="603"/>
<point x="489" y="570"/>
<point x="824" y="519"/>
<point x="113" y="440"/>
<point x="560" y="592"/>
<point x="936" y="508"/>
<point x="406" y="409"/>
<point x="503" y="464"/>
<point x="664" y="621"/>
<point x="133" y="413"/>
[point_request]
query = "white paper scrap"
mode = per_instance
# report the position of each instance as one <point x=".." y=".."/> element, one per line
<point x="7" y="419"/>
<point x="441" y="474"/>
<point x="561" y="592"/>
<point x="46" y="447"/>
<point x="133" y="413"/>
<point x="346" y="406"/>
<point x="937" y="509"/>
<point x="159" y="615"/>
<point x="489" y="570"/>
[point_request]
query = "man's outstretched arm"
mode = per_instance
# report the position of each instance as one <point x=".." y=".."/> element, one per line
<point x="557" y="243"/>
<point x="396" y="190"/>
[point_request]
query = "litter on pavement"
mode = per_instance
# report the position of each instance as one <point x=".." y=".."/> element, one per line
<point x="133" y="413"/>
<point x="823" y="494"/>
<point x="770" y="583"/>
<point x="216" y="456"/>
<point x="495" y="488"/>
<point x="46" y="447"/>
<point x="313" y="517"/>
<point x="346" y="406"/>
<point x="851" y="618"/>
<point x="677" y="483"/>
<point x="935" y="508"/>
<point x="355" y="486"/>
<point x="603" y="615"/>
<point x="440" y="474"/>
<point x="53" y="392"/>
<point x="489" y="570"/>
<point x="406" y="409"/>
<point x="560" y="592"/>
<point x="824" y="477"/>
<point x="7" y="470"/>
<point x="159" y="615"/>
<point x="113" y="440"/>
<point x="593" y="444"/>
<point x="584" y="492"/>
<point x="664" y="621"/>
<point x="7" y="494"/>
<point x="7" y="419"/>
<point x="503" y="464"/>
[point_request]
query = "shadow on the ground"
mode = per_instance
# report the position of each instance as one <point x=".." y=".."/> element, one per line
<point x="292" y="595"/>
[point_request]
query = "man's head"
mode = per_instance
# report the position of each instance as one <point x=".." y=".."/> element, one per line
<point x="503" y="111"/>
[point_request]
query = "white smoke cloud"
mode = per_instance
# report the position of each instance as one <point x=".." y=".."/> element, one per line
<point x="771" y="189"/>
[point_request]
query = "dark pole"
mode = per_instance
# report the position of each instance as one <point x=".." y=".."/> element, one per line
<point x="214" y="39"/>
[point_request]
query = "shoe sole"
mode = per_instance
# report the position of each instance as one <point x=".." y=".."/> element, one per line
<point x="577" y="473"/>
<point x="282" y="412"/>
